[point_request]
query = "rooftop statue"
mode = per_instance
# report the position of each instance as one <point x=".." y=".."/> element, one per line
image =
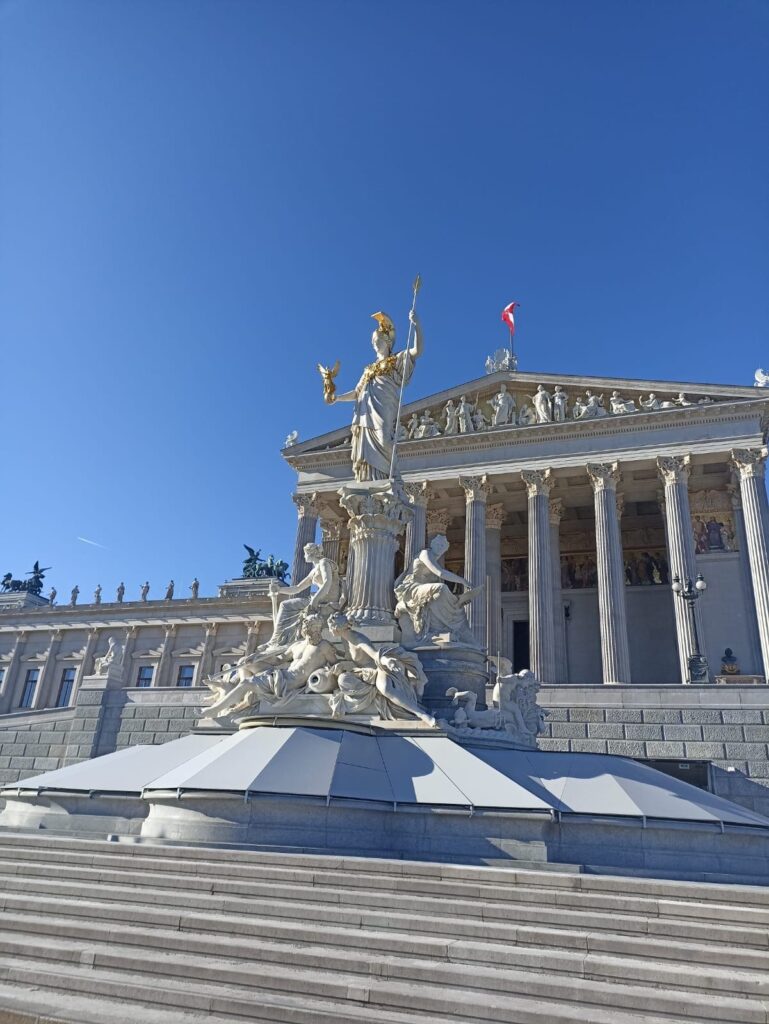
<point x="762" y="379"/>
<point x="257" y="568"/>
<point x="33" y="585"/>
<point x="377" y="397"/>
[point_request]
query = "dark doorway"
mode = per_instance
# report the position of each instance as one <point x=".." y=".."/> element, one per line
<point x="520" y="645"/>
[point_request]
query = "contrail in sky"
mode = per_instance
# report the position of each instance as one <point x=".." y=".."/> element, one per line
<point x="95" y="543"/>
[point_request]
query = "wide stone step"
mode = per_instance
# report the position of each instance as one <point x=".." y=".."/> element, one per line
<point x="210" y="861"/>
<point x="317" y="885"/>
<point x="437" y="990"/>
<point x="434" y="917"/>
<point x="190" y="1000"/>
<point x="363" y="953"/>
<point x="22" y="1004"/>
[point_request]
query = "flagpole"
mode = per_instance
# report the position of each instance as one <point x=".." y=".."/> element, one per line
<point x="417" y="286"/>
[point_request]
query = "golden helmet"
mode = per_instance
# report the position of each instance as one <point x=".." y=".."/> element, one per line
<point x="385" y="323"/>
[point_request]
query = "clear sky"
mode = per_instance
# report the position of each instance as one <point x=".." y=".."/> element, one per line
<point x="199" y="199"/>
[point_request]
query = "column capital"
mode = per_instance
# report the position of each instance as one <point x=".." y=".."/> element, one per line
<point x="56" y="635"/>
<point x="438" y="520"/>
<point x="131" y="632"/>
<point x="674" y="469"/>
<point x="749" y="462"/>
<point x="538" y="481"/>
<point x="170" y="631"/>
<point x="211" y="628"/>
<point x="604" y="476"/>
<point x="306" y="504"/>
<point x="419" y="492"/>
<point x="557" y="511"/>
<point x="495" y="517"/>
<point x="476" y="488"/>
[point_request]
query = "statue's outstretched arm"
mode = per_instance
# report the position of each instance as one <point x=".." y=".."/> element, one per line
<point x="438" y="570"/>
<point x="297" y="588"/>
<point x="416" y="349"/>
<point x="347" y="396"/>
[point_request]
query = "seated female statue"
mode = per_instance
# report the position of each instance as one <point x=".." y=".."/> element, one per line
<point x="426" y="606"/>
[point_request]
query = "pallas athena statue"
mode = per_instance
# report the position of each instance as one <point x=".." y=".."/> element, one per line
<point x="377" y="398"/>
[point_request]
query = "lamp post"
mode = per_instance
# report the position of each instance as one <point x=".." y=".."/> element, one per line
<point x="689" y="593"/>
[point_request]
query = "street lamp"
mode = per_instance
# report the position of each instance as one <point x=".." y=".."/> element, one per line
<point x="696" y="661"/>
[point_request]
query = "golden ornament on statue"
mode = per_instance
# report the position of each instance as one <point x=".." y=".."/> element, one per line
<point x="329" y="387"/>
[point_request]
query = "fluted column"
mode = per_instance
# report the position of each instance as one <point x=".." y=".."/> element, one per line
<point x="750" y="463"/>
<point x="615" y="651"/>
<point x="495" y="517"/>
<point x="307" y="508"/>
<point x="10" y="681"/>
<point x="205" y="665"/>
<point x="438" y="522"/>
<point x="331" y="537"/>
<point x="128" y="649"/>
<point x="559" y="619"/>
<point x="377" y="519"/>
<point x="539" y="483"/>
<point x="674" y="474"/>
<point x="416" y="530"/>
<point x="746" y="579"/>
<point x="161" y="676"/>
<point x="47" y="675"/>
<point x="84" y="668"/>
<point x="476" y="490"/>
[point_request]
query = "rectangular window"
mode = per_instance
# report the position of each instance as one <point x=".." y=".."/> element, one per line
<point x="185" y="676"/>
<point x="65" y="688"/>
<point x="2" y="677"/>
<point x="146" y="673"/>
<point x="30" y="685"/>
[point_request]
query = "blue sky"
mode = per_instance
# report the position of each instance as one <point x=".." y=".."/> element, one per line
<point x="201" y="198"/>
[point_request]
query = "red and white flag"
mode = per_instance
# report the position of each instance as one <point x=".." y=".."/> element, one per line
<point x="508" y="316"/>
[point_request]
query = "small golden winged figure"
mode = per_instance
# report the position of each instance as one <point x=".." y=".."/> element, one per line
<point x="329" y="387"/>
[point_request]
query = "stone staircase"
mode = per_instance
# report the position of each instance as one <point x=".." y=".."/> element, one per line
<point x="93" y="931"/>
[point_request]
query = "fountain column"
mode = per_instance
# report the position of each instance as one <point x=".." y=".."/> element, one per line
<point x="378" y="516"/>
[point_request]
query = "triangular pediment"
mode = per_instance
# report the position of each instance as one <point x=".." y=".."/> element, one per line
<point x="584" y="399"/>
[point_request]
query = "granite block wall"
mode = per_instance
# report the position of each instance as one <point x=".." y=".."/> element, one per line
<point x="728" y="727"/>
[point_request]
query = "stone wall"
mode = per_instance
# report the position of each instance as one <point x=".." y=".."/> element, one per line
<point x="727" y="726"/>
<point x="100" y="721"/>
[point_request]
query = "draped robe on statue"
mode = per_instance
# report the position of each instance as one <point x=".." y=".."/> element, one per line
<point x="376" y="410"/>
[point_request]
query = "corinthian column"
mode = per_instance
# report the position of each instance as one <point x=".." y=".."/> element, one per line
<point x="751" y="466"/>
<point x="559" y="620"/>
<point x="476" y="490"/>
<point x="674" y="474"/>
<point x="307" y="507"/>
<point x="615" y="652"/>
<point x="495" y="517"/>
<point x="416" y="530"/>
<point x="539" y="483"/>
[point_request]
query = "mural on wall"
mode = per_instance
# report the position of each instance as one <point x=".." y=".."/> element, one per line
<point x="713" y="525"/>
